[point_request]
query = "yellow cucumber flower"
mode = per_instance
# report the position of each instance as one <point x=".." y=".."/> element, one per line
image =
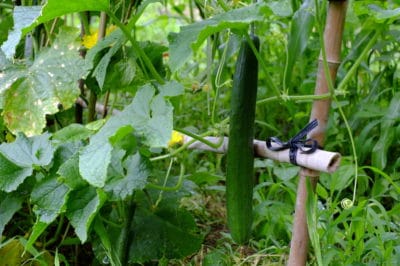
<point x="176" y="139"/>
<point x="90" y="40"/>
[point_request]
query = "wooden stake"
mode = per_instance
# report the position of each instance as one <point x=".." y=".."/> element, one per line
<point x="320" y="110"/>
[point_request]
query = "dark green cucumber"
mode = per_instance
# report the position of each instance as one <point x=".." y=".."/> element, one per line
<point x="240" y="157"/>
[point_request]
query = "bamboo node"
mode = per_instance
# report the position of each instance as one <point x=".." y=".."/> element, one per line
<point x="331" y="63"/>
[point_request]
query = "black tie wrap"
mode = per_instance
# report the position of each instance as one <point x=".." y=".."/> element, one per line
<point x="296" y="143"/>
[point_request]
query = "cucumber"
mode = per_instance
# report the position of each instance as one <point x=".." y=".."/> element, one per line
<point x="240" y="156"/>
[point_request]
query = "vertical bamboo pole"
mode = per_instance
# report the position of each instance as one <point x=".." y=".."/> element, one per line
<point x="320" y="110"/>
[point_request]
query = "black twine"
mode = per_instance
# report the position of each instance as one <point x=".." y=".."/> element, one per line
<point x="296" y="143"/>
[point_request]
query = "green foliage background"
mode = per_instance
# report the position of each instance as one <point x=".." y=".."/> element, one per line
<point x="114" y="191"/>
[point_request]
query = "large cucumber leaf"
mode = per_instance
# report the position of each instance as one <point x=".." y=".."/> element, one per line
<point x="150" y="118"/>
<point x="10" y="203"/>
<point x="17" y="159"/>
<point x="82" y="208"/>
<point x="137" y="171"/>
<point x="30" y="93"/>
<point x="49" y="197"/>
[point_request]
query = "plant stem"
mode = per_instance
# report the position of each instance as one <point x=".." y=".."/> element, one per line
<point x="295" y="98"/>
<point x="93" y="95"/>
<point x="139" y="51"/>
<point x="218" y="79"/>
<point x="174" y="188"/>
<point x="346" y="79"/>
<point x="57" y="233"/>
<point x="199" y="138"/>
<point x="126" y="234"/>
<point x="180" y="149"/>
<point x="84" y="19"/>
<point x="222" y="4"/>
<point x="106" y="98"/>
<point x="85" y="28"/>
<point x="51" y="31"/>
<point x="270" y="84"/>
<point x="351" y="73"/>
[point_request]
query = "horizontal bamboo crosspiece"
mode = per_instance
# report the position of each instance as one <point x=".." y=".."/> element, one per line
<point x="320" y="160"/>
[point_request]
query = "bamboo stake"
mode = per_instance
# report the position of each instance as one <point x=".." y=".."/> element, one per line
<point x="319" y="160"/>
<point x="320" y="111"/>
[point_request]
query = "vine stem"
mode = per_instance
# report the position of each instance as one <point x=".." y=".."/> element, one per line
<point x="139" y="51"/>
<point x="180" y="149"/>
<point x="295" y="98"/>
<point x="341" y="86"/>
<point x="164" y="187"/>
<point x="126" y="234"/>
<point x="201" y="139"/>
<point x="218" y="85"/>
<point x="268" y="79"/>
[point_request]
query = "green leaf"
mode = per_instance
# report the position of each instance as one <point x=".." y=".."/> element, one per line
<point x="380" y="149"/>
<point x="300" y="29"/>
<point x="286" y="173"/>
<point x="57" y="8"/>
<point x="312" y="221"/>
<point x="30" y="94"/>
<point x="166" y="233"/>
<point x="24" y="16"/>
<point x="136" y="178"/>
<point x="205" y="178"/>
<point x="105" y="248"/>
<point x="120" y="75"/>
<point x="37" y="229"/>
<point x="69" y="173"/>
<point x="192" y="36"/>
<point x="383" y="15"/>
<point x="9" y="205"/>
<point x="49" y="197"/>
<point x="83" y="206"/>
<point x="216" y="258"/>
<point x="6" y="25"/>
<point x="28" y="152"/>
<point x="115" y="37"/>
<point x="93" y="162"/>
<point x="120" y="134"/>
<point x="141" y="8"/>
<point x="72" y="132"/>
<point x="158" y="128"/>
<point x="171" y="89"/>
<point x="151" y="118"/>
<point x="62" y="154"/>
<point x="392" y="113"/>
<point x="281" y="8"/>
<point x="340" y="179"/>
<point x="12" y="175"/>
<point x="100" y="71"/>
